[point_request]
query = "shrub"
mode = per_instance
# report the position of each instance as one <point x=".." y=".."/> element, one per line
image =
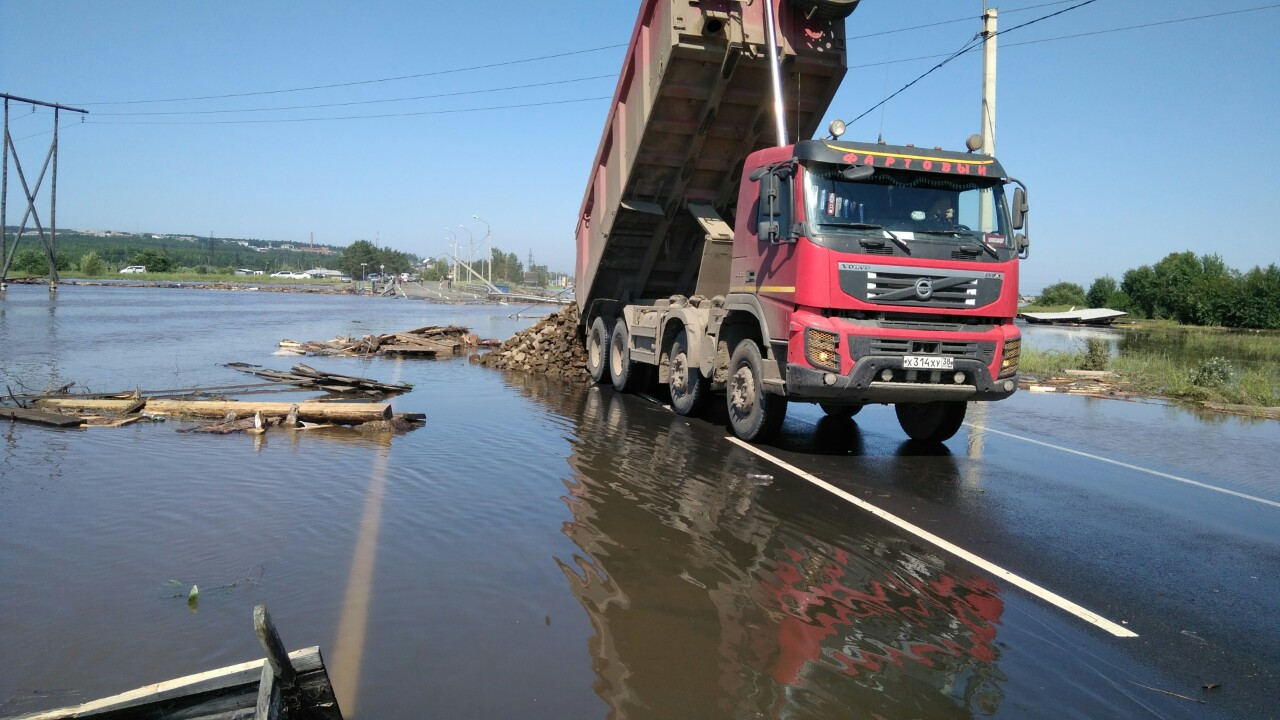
<point x="1063" y="293"/>
<point x="1097" y="355"/>
<point x="91" y="264"/>
<point x="1214" y="372"/>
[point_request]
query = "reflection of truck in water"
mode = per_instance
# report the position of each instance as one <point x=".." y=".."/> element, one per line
<point x="852" y="273"/>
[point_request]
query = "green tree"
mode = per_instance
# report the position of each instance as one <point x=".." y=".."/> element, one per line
<point x="91" y="264"/>
<point x="1063" y="293"/>
<point x="1101" y="291"/>
<point x="358" y="252"/>
<point x="154" y="260"/>
<point x="30" y="262"/>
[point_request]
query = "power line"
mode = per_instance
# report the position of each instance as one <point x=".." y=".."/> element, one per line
<point x="967" y="18"/>
<point x="1076" y="35"/>
<point x="968" y="46"/>
<point x="348" y="117"/>
<point x="358" y="102"/>
<point x="364" y="82"/>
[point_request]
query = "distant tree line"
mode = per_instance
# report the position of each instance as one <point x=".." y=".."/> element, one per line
<point x="1193" y="290"/>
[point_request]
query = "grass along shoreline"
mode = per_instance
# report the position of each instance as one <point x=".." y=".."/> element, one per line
<point x="1202" y="365"/>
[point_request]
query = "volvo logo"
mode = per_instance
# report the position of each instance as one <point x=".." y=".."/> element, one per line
<point x="924" y="288"/>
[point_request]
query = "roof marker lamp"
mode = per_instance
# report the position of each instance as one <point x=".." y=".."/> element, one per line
<point x="836" y="128"/>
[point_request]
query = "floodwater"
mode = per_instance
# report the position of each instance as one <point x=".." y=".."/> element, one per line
<point x="538" y="549"/>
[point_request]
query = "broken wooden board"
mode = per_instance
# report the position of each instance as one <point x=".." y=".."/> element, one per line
<point x="38" y="417"/>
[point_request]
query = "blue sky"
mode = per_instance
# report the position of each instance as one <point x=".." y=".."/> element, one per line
<point x="1134" y="143"/>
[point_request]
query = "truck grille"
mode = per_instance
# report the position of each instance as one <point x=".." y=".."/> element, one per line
<point x="920" y="287"/>
<point x="982" y="351"/>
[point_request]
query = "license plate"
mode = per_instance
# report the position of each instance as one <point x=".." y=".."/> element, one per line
<point x="928" y="362"/>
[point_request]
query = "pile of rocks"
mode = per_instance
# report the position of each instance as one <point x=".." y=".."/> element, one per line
<point x="552" y="347"/>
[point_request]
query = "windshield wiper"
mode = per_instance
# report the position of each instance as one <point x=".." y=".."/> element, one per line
<point x="866" y="242"/>
<point x="971" y="235"/>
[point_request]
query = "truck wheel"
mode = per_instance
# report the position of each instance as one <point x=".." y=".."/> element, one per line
<point x="841" y="411"/>
<point x="689" y="388"/>
<point x="931" y="421"/>
<point x="754" y="414"/>
<point x="826" y="9"/>
<point x="598" y="350"/>
<point x="626" y="376"/>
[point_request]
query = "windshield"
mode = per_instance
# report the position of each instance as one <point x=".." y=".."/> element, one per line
<point x="912" y="213"/>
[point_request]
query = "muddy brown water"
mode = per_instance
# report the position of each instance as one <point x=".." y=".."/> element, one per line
<point x="538" y="549"/>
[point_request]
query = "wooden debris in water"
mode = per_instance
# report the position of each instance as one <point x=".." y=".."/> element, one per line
<point x="308" y="377"/>
<point x="551" y="347"/>
<point x="347" y="413"/>
<point x="38" y="417"/>
<point x="428" y="342"/>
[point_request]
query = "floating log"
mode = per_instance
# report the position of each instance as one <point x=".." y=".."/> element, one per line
<point x="40" y="418"/>
<point x="339" y="412"/>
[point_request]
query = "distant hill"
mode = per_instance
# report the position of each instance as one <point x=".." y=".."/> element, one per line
<point x="115" y="248"/>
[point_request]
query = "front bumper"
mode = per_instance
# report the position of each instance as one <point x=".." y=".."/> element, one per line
<point x="864" y="385"/>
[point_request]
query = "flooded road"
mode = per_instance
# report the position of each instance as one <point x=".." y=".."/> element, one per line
<point x="541" y="549"/>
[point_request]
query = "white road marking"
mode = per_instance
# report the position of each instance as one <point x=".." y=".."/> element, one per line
<point x="1027" y="585"/>
<point x="1128" y="466"/>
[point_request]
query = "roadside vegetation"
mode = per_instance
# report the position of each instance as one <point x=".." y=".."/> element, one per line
<point x="1164" y="359"/>
<point x="1182" y="287"/>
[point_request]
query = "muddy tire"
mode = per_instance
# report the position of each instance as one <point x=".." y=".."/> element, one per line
<point x="840" y="411"/>
<point x="931" y="421"/>
<point x="625" y="373"/>
<point x="689" y="388"/>
<point x="826" y="9"/>
<point x="598" y="338"/>
<point x="754" y="415"/>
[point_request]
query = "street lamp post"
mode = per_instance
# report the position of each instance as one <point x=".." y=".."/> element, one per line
<point x="363" y="276"/>
<point x="488" y="238"/>
<point x="455" y="253"/>
<point x="382" y="275"/>
<point x="470" y="250"/>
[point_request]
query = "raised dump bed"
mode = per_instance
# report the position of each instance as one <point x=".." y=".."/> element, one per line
<point x="693" y="100"/>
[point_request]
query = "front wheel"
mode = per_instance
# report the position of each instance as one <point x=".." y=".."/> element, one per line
<point x="598" y="338"/>
<point x="754" y="414"/>
<point x="931" y="421"/>
<point x="843" y="412"/>
<point x="689" y="387"/>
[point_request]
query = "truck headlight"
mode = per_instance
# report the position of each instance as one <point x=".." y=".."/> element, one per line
<point x="1012" y="353"/>
<point x="820" y="348"/>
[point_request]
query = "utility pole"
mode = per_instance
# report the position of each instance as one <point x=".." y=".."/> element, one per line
<point x="7" y="252"/>
<point x="989" y="81"/>
<point x="986" y="206"/>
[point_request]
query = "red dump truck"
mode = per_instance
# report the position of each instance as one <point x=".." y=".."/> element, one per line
<point x="714" y="252"/>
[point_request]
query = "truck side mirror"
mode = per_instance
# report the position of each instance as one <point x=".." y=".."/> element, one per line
<point x="769" y="227"/>
<point x="1023" y="245"/>
<point x="1020" y="208"/>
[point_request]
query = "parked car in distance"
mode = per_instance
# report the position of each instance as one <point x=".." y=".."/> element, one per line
<point x="282" y="274"/>
<point x="133" y="269"/>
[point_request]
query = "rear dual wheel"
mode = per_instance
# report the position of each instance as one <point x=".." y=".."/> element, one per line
<point x="598" y="339"/>
<point x="625" y="373"/>
<point x="688" y="386"/>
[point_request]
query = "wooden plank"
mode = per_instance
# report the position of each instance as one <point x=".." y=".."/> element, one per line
<point x="403" y="350"/>
<point x="268" y="705"/>
<point x="40" y="418"/>
<point x="270" y="641"/>
<point x="306" y="661"/>
<point x="348" y="412"/>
